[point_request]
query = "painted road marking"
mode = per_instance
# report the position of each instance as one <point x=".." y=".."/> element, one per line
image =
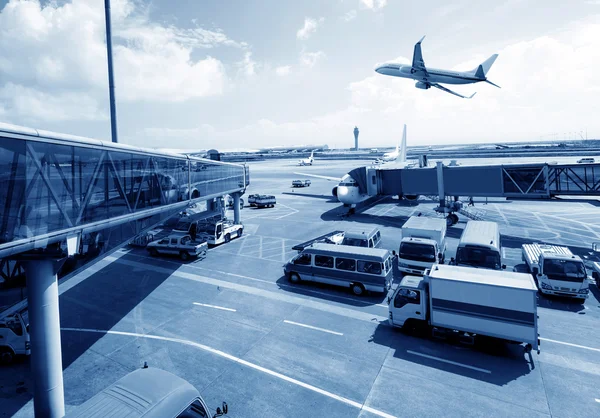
<point x="215" y="307"/>
<point x="449" y="362"/>
<point x="311" y="327"/>
<point x="571" y="345"/>
<point x="358" y="405"/>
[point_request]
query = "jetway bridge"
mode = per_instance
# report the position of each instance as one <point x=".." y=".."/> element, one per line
<point x="56" y="191"/>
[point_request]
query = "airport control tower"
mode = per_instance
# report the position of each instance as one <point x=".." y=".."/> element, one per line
<point x="355" y="138"/>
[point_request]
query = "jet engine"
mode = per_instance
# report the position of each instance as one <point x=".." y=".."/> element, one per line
<point x="334" y="191"/>
<point x="422" y="85"/>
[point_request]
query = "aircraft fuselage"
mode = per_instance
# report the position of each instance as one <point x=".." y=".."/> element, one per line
<point x="433" y="75"/>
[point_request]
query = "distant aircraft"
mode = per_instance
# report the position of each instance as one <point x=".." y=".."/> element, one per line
<point x="347" y="190"/>
<point x="432" y="77"/>
<point x="307" y="161"/>
<point x="393" y="155"/>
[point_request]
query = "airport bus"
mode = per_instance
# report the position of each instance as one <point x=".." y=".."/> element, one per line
<point x="479" y="246"/>
<point x="150" y="393"/>
<point x="361" y="269"/>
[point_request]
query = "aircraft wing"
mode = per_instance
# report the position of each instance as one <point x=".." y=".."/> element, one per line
<point x="336" y="179"/>
<point x="418" y="64"/>
<point x="439" y="86"/>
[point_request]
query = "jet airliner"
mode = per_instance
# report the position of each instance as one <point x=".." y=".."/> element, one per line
<point x="433" y="77"/>
<point x="347" y="190"/>
<point x="393" y="155"/>
<point x="307" y="161"/>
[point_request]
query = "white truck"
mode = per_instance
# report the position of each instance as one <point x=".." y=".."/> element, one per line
<point x="14" y="335"/>
<point x="219" y="232"/>
<point x="176" y="244"/>
<point x="265" y="201"/>
<point x="556" y="270"/>
<point x="423" y="244"/>
<point x="463" y="302"/>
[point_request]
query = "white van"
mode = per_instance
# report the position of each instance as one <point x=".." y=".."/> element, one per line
<point x="479" y="246"/>
<point x="586" y="160"/>
<point x="367" y="238"/>
<point x="147" y="393"/>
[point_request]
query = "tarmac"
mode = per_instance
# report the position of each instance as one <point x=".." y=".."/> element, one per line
<point x="234" y="327"/>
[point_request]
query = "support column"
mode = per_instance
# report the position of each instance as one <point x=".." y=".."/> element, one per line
<point x="440" y="184"/>
<point x="236" y="208"/>
<point x="44" y="330"/>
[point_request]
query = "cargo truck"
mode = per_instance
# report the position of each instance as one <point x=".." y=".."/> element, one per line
<point x="265" y="201"/>
<point x="467" y="302"/>
<point x="423" y="244"/>
<point x="557" y="270"/>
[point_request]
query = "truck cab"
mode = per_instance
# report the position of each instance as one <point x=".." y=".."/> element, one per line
<point x="14" y="336"/>
<point x="408" y="303"/>
<point x="418" y="254"/>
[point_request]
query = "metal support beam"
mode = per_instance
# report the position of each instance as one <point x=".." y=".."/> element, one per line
<point x="440" y="181"/>
<point x="236" y="208"/>
<point x="44" y="320"/>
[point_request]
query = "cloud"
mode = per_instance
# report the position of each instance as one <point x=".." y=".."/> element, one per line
<point x="66" y="55"/>
<point x="283" y="70"/>
<point x="373" y="4"/>
<point x="248" y="65"/>
<point x="309" y="28"/>
<point x="310" y="59"/>
<point x="536" y="99"/>
<point x="349" y="16"/>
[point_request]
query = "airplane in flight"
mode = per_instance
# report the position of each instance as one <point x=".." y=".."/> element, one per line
<point x="347" y="190"/>
<point x="433" y="77"/>
<point x="307" y="161"/>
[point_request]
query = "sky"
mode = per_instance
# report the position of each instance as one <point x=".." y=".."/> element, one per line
<point x="243" y="74"/>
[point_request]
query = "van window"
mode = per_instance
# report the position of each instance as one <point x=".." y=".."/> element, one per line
<point x="355" y="242"/>
<point x="371" y="267"/>
<point x="371" y="244"/>
<point x="405" y="296"/>
<point x="478" y="256"/>
<point x="323" y="261"/>
<point x="348" y="264"/>
<point x="303" y="260"/>
<point x="195" y="410"/>
<point x="173" y="241"/>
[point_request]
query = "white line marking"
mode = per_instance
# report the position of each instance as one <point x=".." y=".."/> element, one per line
<point x="215" y="307"/>
<point x="571" y="345"/>
<point x="311" y="327"/>
<point x="449" y="362"/>
<point x="238" y="360"/>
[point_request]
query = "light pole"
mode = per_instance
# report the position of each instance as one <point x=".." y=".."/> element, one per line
<point x="111" y="78"/>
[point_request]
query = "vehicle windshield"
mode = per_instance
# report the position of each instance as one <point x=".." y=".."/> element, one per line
<point x="183" y="226"/>
<point x="565" y="270"/>
<point x="355" y="242"/>
<point x="478" y="257"/>
<point x="417" y="252"/>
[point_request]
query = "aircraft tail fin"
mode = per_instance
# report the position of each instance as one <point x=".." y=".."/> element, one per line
<point x="402" y="150"/>
<point x="484" y="67"/>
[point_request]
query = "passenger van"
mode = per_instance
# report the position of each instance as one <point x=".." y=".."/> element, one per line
<point x="360" y="269"/>
<point x="148" y="393"/>
<point x="479" y="246"/>
<point x="586" y="160"/>
<point x="370" y="238"/>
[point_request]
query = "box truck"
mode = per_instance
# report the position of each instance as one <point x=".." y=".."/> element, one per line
<point x="423" y="244"/>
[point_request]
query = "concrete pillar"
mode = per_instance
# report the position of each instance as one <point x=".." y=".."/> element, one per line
<point x="236" y="208"/>
<point x="44" y="330"/>
<point x="440" y="183"/>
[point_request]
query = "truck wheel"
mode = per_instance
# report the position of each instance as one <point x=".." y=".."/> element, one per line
<point x="358" y="289"/>
<point x="227" y="238"/>
<point x="184" y="255"/>
<point x="294" y="278"/>
<point x="153" y="252"/>
<point x="239" y="233"/>
<point x="6" y="356"/>
<point x="454" y="218"/>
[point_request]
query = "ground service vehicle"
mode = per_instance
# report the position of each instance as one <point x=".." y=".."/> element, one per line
<point x="467" y="302"/>
<point x="370" y="238"/>
<point x="265" y="201"/>
<point x="252" y="199"/>
<point x="557" y="270"/>
<point x="147" y="393"/>
<point x="586" y="160"/>
<point x="360" y="269"/>
<point x="219" y="232"/>
<point x="479" y="246"/>
<point x="423" y="244"/>
<point x="14" y="335"/>
<point x="301" y="183"/>
<point x="181" y="245"/>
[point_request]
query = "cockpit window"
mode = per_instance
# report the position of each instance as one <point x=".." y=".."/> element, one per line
<point x="349" y="184"/>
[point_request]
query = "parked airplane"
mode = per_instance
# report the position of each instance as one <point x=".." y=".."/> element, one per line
<point x="347" y="190"/>
<point x="307" y="161"/>
<point x="432" y="77"/>
<point x="393" y="155"/>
